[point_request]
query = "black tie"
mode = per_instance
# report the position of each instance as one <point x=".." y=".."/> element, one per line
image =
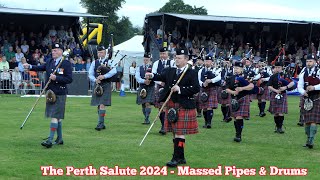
<point x="309" y="71"/>
<point x="163" y="63"/>
<point x="178" y="71"/>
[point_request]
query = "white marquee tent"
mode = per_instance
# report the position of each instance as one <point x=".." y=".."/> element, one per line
<point x="133" y="50"/>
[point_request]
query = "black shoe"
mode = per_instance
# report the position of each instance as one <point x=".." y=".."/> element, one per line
<point x="310" y="146"/>
<point x="247" y="119"/>
<point x="162" y="132"/>
<point x="146" y="122"/>
<point x="300" y="124"/>
<point x="228" y="119"/>
<point x="47" y="144"/>
<point x="209" y="126"/>
<point x="280" y="131"/>
<point x="199" y="115"/>
<point x="174" y="162"/>
<point x="58" y="141"/>
<point x="205" y="126"/>
<point x="99" y="127"/>
<point x="237" y="139"/>
<point x="262" y="114"/>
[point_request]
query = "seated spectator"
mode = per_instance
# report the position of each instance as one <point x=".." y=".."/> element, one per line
<point x="32" y="47"/>
<point x="25" y="47"/>
<point x="16" y="79"/>
<point x="26" y="81"/>
<point x="53" y="34"/>
<point x="62" y="34"/>
<point x="10" y="53"/>
<point x="20" y="64"/>
<point x="6" y="46"/>
<point x="73" y="44"/>
<point x="4" y="63"/>
<point x="79" y="64"/>
<point x="19" y="55"/>
<point x="16" y="45"/>
<point x="13" y="63"/>
<point x="5" y="78"/>
<point x="70" y="34"/>
<point x="77" y="51"/>
<point x="43" y="47"/>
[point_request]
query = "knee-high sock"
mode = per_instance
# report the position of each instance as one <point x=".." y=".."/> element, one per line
<point x="224" y="111"/>
<point x="260" y="107"/>
<point x="209" y="116"/>
<point x="102" y="114"/>
<point x="53" y="128"/>
<point x="263" y="106"/>
<point x="148" y="111"/>
<point x="162" y="117"/>
<point x="313" y="131"/>
<point x="59" y="130"/>
<point x="180" y="148"/>
<point x="205" y="116"/>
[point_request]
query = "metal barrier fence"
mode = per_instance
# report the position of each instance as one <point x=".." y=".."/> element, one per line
<point x="31" y="82"/>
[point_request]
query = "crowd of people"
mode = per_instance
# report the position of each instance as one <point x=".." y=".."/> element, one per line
<point x="18" y="46"/>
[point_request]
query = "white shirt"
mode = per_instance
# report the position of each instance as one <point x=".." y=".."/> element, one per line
<point x="25" y="48"/>
<point x="155" y="67"/>
<point x="19" y="56"/>
<point x="215" y="71"/>
<point x="132" y="70"/>
<point x="301" y="80"/>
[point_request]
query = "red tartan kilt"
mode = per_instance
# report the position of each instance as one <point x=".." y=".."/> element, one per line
<point x="253" y="96"/>
<point x="212" y="101"/>
<point x="312" y="116"/>
<point x="265" y="95"/>
<point x="275" y="108"/>
<point x="187" y="122"/>
<point x="156" y="97"/>
<point x="244" y="110"/>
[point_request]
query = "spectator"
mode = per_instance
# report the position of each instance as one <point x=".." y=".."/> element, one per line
<point x="5" y="78"/>
<point x="62" y="34"/>
<point x="20" y="64"/>
<point x="26" y="81"/>
<point x="19" y="55"/>
<point x="10" y="53"/>
<point x="88" y="64"/>
<point x="4" y="63"/>
<point x="6" y="46"/>
<point x="16" y="79"/>
<point x="132" y="72"/>
<point x="78" y="64"/>
<point x="16" y="45"/>
<point x="73" y="44"/>
<point x="53" y="34"/>
<point x="25" y="47"/>
<point x="43" y="47"/>
<point x="13" y="63"/>
<point x="32" y="47"/>
<point x="77" y="51"/>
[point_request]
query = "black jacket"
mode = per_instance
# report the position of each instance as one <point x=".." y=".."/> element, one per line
<point x="189" y="86"/>
<point x="63" y="75"/>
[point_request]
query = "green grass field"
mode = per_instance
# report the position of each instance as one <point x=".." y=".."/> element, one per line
<point x="22" y="155"/>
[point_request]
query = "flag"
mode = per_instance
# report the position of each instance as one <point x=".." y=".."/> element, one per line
<point x="110" y="48"/>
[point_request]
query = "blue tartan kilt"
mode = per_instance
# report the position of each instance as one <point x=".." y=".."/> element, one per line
<point x="105" y="99"/>
<point x="57" y="109"/>
<point x="276" y="107"/>
<point x="150" y="95"/>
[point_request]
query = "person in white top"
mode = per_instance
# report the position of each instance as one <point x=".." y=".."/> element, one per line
<point x="25" y="47"/>
<point x="19" y="55"/>
<point x="16" y="78"/>
<point x="132" y="72"/>
<point x="5" y="78"/>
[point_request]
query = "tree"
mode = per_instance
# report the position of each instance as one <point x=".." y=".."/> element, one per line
<point x="178" y="6"/>
<point x="60" y="10"/>
<point x="121" y="28"/>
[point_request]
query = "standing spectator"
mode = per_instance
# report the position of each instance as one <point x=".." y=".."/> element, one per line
<point x="5" y="78"/>
<point x="4" y="63"/>
<point x="19" y="55"/>
<point x="16" y="79"/>
<point x="25" y="47"/>
<point x="132" y="72"/>
<point x="88" y="64"/>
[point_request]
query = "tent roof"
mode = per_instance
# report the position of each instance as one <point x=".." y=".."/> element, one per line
<point x="227" y="18"/>
<point x="4" y="10"/>
<point x="131" y="45"/>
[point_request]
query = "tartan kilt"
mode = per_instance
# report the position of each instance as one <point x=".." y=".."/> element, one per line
<point x="157" y="96"/>
<point x="301" y="102"/>
<point x="150" y="95"/>
<point x="265" y="95"/>
<point x="197" y="100"/>
<point x="312" y="116"/>
<point x="276" y="108"/>
<point x="221" y="100"/>
<point x="244" y="107"/>
<point x="212" y="101"/>
<point x="105" y="99"/>
<point x="57" y="109"/>
<point x="187" y="122"/>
